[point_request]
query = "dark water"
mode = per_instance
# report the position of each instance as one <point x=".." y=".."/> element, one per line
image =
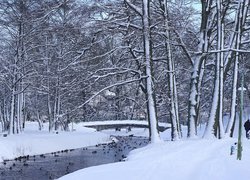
<point x="57" y="164"/>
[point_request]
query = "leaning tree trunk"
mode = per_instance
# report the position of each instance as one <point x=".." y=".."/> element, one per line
<point x="230" y="125"/>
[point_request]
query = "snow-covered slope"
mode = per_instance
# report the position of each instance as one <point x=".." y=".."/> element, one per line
<point x="182" y="160"/>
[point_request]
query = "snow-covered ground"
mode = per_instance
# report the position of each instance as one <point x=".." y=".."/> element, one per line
<point x="195" y="159"/>
<point x="181" y="160"/>
<point x="32" y="141"/>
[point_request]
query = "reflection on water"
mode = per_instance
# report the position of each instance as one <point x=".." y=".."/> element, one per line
<point x="57" y="164"/>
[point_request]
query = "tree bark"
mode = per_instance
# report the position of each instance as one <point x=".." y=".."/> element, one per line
<point x="154" y="135"/>
<point x="198" y="71"/>
<point x="172" y="89"/>
<point x="240" y="18"/>
<point x="215" y="117"/>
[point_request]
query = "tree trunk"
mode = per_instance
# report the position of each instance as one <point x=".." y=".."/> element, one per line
<point x="154" y="135"/>
<point x="193" y="97"/>
<point x="240" y="18"/>
<point x="197" y="70"/>
<point x="40" y="123"/>
<point x="175" y="125"/>
<point x="215" y="120"/>
<point x="1" y="119"/>
<point x="12" y="113"/>
<point x="201" y="75"/>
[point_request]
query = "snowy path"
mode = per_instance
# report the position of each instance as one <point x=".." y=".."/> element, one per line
<point x="182" y="160"/>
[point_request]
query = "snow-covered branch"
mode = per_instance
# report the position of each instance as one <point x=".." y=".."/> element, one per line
<point x="135" y="8"/>
<point x="100" y="91"/>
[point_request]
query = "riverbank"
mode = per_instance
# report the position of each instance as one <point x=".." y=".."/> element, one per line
<point x="33" y="142"/>
<point x="57" y="164"/>
<point x="181" y="160"/>
<point x="186" y="159"/>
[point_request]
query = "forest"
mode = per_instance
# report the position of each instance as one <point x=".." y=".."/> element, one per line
<point x="175" y="61"/>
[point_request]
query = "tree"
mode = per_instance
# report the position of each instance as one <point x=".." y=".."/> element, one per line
<point x="235" y="42"/>
<point x="215" y="118"/>
<point x="16" y="22"/>
<point x="215" y="124"/>
<point x="198" y="65"/>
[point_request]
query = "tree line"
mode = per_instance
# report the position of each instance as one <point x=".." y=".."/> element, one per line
<point x="175" y="61"/>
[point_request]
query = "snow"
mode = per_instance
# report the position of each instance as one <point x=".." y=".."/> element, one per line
<point x="189" y="159"/>
<point x="186" y="159"/>
<point x="33" y="142"/>
<point x="240" y="89"/>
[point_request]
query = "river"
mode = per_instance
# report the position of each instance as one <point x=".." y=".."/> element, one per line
<point x="57" y="164"/>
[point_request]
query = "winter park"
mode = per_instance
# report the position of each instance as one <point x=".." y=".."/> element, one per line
<point x="125" y="89"/>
